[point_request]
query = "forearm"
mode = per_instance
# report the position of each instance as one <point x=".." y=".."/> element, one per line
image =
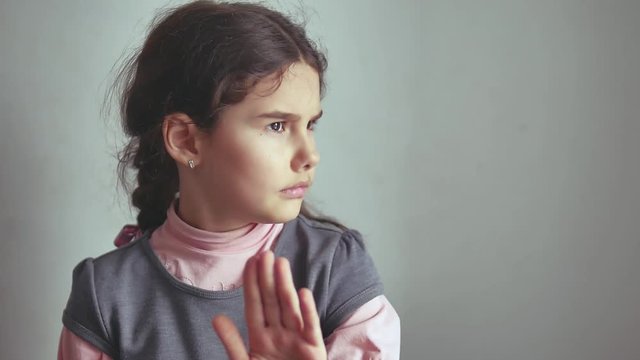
<point x="371" y="332"/>
<point x="72" y="347"/>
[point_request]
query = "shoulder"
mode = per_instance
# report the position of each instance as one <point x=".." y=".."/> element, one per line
<point x="98" y="285"/>
<point x="326" y="252"/>
<point x="321" y="236"/>
<point x="109" y="270"/>
<point x="123" y="254"/>
<point x="98" y="281"/>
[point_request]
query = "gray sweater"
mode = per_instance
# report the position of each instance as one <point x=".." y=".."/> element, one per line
<point x="127" y="304"/>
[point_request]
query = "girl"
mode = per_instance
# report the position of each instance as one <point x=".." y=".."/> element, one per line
<point x="220" y="104"/>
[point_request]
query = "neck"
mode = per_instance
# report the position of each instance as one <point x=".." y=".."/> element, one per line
<point x="198" y="215"/>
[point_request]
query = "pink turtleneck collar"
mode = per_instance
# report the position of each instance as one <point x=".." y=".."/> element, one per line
<point x="205" y="259"/>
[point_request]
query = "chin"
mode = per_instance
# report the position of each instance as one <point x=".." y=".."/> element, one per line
<point x="282" y="213"/>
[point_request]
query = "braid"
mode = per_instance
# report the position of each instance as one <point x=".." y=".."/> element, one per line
<point x="157" y="180"/>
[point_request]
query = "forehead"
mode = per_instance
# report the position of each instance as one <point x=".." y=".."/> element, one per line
<point x="298" y="92"/>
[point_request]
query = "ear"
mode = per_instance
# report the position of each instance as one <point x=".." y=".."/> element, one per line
<point x="182" y="138"/>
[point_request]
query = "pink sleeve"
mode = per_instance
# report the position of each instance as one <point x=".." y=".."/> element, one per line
<point x="72" y="347"/>
<point x="371" y="332"/>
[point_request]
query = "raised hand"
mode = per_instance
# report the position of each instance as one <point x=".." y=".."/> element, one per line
<point x="282" y="324"/>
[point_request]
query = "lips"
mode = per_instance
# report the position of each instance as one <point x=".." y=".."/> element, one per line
<point x="296" y="191"/>
<point x="302" y="184"/>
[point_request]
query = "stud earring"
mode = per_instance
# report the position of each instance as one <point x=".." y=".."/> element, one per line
<point x="191" y="164"/>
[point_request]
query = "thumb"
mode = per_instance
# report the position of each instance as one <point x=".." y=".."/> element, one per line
<point x="230" y="337"/>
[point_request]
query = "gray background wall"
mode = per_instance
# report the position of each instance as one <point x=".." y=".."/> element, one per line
<point x="488" y="150"/>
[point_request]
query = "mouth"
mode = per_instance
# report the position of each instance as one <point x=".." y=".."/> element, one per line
<point x="296" y="191"/>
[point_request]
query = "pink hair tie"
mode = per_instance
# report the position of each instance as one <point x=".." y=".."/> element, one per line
<point x="127" y="234"/>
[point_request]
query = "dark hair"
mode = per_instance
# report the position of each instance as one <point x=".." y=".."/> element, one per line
<point x="197" y="59"/>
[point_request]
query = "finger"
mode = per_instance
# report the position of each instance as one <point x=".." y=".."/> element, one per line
<point x="252" y="301"/>
<point x="312" y="331"/>
<point x="230" y="337"/>
<point x="270" y="305"/>
<point x="287" y="296"/>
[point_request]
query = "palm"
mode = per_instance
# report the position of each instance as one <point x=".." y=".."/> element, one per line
<point x="283" y="344"/>
<point x="282" y="324"/>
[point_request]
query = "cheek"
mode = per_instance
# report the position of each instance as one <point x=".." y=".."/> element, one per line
<point x="254" y="161"/>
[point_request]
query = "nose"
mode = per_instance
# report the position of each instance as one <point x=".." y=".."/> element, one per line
<point x="306" y="156"/>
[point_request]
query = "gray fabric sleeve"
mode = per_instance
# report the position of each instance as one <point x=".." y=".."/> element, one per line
<point x="82" y="314"/>
<point x="353" y="280"/>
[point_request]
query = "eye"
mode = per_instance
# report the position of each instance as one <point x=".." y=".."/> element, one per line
<point x="312" y="125"/>
<point x="277" y="126"/>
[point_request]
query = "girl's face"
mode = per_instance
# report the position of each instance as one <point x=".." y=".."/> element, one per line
<point x="262" y="146"/>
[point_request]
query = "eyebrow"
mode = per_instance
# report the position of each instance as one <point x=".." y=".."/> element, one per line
<point x="287" y="116"/>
